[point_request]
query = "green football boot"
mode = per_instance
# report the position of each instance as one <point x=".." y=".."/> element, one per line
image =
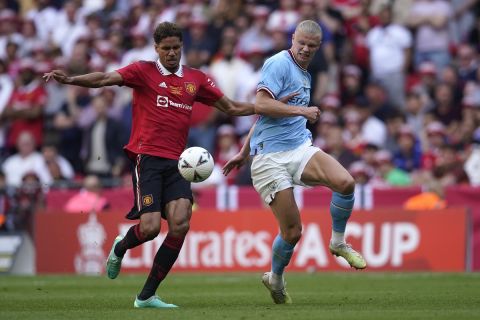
<point x="152" y="302"/>
<point x="279" y="296"/>
<point x="354" y="259"/>
<point x="114" y="263"/>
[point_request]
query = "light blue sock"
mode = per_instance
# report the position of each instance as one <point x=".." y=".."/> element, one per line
<point x="340" y="209"/>
<point x="281" y="253"/>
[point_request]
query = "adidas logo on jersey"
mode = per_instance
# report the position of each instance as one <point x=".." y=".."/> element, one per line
<point x="163" y="85"/>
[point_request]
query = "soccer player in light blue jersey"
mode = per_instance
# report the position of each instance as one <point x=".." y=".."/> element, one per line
<point x="283" y="156"/>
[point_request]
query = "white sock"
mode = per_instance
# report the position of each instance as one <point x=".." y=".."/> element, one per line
<point x="276" y="281"/>
<point x="337" y="238"/>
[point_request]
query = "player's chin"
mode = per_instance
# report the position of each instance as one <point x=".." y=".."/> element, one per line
<point x="173" y="63"/>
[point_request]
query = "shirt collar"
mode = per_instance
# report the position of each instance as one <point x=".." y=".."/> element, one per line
<point x="165" y="72"/>
<point x="295" y="60"/>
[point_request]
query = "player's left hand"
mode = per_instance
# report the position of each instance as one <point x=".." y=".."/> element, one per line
<point x="236" y="162"/>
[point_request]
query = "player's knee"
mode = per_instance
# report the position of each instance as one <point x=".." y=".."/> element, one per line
<point x="346" y="185"/>
<point x="292" y="234"/>
<point x="180" y="228"/>
<point x="149" y="231"/>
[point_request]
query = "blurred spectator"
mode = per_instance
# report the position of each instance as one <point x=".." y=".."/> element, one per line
<point x="430" y="199"/>
<point x="285" y="17"/>
<point x="351" y="86"/>
<point x="448" y="167"/>
<point x="408" y="156"/>
<point x="24" y="111"/>
<point x="335" y="146"/>
<point x="327" y="121"/>
<point x="415" y="109"/>
<point x="197" y="38"/>
<point x="66" y="125"/>
<point x="357" y="30"/>
<point x="428" y="78"/>
<point x="389" y="46"/>
<point x="430" y="19"/>
<point x="450" y="76"/>
<point x="332" y="19"/>
<point x="467" y="63"/>
<point x="8" y="31"/>
<point x="464" y="14"/>
<point x="352" y="134"/>
<point x="373" y="129"/>
<point x="368" y="154"/>
<point x="318" y="70"/>
<point x="28" y="199"/>
<point x="89" y="198"/>
<point x="257" y="36"/>
<point x="394" y="123"/>
<point x="445" y="108"/>
<point x="45" y="18"/>
<point x="247" y="89"/>
<point x="30" y="40"/>
<point x="360" y="172"/>
<point x="60" y="171"/>
<point x="4" y="202"/>
<point x="227" y="68"/>
<point x="227" y="147"/>
<point x="103" y="141"/>
<point x="108" y="10"/>
<point x="472" y="164"/>
<point x="141" y="50"/>
<point x="70" y="27"/>
<point x="391" y="175"/>
<point x="473" y="37"/>
<point x="376" y="98"/>
<point x="6" y="89"/>
<point x="26" y="160"/>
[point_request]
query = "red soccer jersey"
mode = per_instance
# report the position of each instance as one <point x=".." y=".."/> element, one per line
<point x="27" y="97"/>
<point x="162" y="106"/>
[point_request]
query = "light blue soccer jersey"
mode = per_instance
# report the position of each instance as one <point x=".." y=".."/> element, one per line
<point x="281" y="76"/>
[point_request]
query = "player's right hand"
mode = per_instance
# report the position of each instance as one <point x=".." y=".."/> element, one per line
<point x="287" y="97"/>
<point x="236" y="162"/>
<point x="58" y="75"/>
<point x="312" y="113"/>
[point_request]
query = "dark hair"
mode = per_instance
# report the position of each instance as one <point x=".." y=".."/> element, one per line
<point x="165" y="30"/>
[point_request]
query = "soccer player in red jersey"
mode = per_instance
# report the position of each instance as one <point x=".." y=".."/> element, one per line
<point x="163" y="95"/>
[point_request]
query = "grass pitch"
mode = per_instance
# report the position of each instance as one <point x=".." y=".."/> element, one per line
<point x="349" y="295"/>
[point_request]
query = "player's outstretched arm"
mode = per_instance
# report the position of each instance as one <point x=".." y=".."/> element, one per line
<point x="234" y="108"/>
<point x="89" y="80"/>
<point x="241" y="157"/>
<point x="267" y="106"/>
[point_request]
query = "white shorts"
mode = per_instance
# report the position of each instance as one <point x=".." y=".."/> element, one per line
<point x="277" y="171"/>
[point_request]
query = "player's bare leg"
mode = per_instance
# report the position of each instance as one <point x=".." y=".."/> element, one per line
<point x="286" y="212"/>
<point x="322" y="169"/>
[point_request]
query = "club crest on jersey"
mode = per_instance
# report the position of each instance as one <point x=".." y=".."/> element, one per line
<point x="176" y="90"/>
<point x="190" y="87"/>
<point x="162" y="101"/>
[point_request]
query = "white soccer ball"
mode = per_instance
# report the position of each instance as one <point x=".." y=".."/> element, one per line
<point x="195" y="164"/>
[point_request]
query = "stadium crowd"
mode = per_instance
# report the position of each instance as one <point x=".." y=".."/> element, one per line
<point x="398" y="83"/>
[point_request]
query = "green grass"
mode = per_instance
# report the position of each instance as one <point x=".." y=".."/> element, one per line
<point x="349" y="295"/>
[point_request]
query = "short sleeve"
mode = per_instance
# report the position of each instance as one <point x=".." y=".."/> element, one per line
<point x="131" y="75"/>
<point x="272" y="78"/>
<point x="208" y="93"/>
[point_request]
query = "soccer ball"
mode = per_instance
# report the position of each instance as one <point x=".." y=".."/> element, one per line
<point x="195" y="164"/>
